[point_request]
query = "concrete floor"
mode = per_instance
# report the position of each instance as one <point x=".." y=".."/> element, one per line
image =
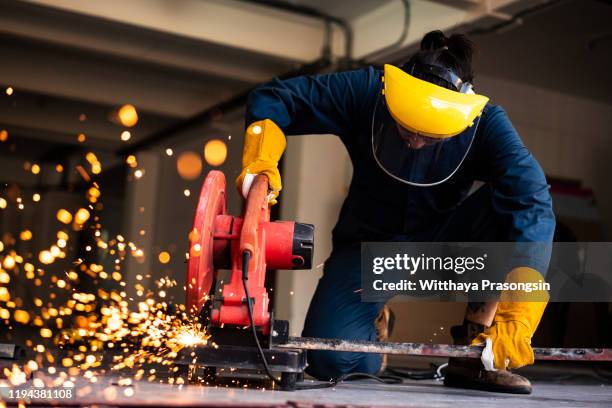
<point x="355" y="393"/>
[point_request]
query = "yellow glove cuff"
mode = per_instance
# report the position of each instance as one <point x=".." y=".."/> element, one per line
<point x="520" y="306"/>
<point x="264" y="144"/>
<point x="516" y="320"/>
<point x="264" y="141"/>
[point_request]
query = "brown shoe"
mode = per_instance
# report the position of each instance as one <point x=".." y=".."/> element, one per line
<point x="384" y="327"/>
<point x="470" y="373"/>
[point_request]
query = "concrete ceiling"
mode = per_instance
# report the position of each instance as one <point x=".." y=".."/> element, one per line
<point x="63" y="64"/>
<point x="172" y="59"/>
<point x="566" y="47"/>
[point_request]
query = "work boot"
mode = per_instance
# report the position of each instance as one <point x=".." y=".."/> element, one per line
<point x="384" y="327"/>
<point x="470" y="373"/>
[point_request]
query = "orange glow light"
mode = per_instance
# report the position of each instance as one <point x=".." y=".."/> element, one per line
<point x="189" y="165"/>
<point x="215" y="152"/>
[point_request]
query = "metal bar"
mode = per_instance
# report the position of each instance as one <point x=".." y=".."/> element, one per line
<point x="439" y="350"/>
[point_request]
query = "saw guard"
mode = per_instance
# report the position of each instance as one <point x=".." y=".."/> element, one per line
<point x="219" y="241"/>
<point x="201" y="271"/>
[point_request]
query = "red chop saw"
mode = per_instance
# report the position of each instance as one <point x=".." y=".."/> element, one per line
<point x="248" y="246"/>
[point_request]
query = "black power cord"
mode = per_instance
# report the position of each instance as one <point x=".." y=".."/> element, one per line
<point x="385" y="378"/>
<point x="246" y="256"/>
<point x="390" y="376"/>
<point x="434" y="373"/>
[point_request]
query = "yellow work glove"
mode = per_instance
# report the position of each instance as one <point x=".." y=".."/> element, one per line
<point x="508" y="340"/>
<point x="264" y="144"/>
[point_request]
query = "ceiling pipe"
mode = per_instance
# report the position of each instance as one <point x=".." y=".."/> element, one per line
<point x="315" y="13"/>
<point x="397" y="44"/>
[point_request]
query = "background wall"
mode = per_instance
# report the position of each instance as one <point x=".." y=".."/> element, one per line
<point x="568" y="134"/>
<point x="316" y="174"/>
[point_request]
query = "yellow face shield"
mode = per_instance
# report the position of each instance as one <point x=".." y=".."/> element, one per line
<point x="421" y="132"/>
<point x="427" y="109"/>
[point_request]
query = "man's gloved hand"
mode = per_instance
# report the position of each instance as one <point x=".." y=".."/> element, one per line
<point x="508" y="340"/>
<point x="264" y="144"/>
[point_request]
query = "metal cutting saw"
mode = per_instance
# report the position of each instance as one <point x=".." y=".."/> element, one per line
<point x="237" y="314"/>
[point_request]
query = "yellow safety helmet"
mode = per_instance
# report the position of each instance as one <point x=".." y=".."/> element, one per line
<point x="428" y="109"/>
<point x="422" y="132"/>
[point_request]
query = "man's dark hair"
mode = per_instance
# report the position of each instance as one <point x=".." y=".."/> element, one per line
<point x="454" y="52"/>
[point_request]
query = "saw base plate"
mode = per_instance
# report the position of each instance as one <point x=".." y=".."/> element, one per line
<point x="232" y="350"/>
<point x="290" y="363"/>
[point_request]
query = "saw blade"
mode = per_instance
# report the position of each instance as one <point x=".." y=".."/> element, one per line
<point x="201" y="270"/>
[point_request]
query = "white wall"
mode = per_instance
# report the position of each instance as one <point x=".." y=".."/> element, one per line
<point x="316" y="173"/>
<point x="570" y="136"/>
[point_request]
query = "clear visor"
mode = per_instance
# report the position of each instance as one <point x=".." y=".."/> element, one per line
<point x="415" y="159"/>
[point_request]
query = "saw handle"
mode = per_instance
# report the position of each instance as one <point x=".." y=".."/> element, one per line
<point x="257" y="212"/>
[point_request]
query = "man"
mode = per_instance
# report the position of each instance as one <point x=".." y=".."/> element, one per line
<point x="418" y="137"/>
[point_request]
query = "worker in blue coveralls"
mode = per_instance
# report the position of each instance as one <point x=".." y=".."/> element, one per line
<point x="418" y="137"/>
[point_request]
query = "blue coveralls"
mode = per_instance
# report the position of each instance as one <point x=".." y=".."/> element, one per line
<point x="513" y="205"/>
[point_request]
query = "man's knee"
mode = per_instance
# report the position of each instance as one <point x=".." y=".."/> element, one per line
<point x="327" y="365"/>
